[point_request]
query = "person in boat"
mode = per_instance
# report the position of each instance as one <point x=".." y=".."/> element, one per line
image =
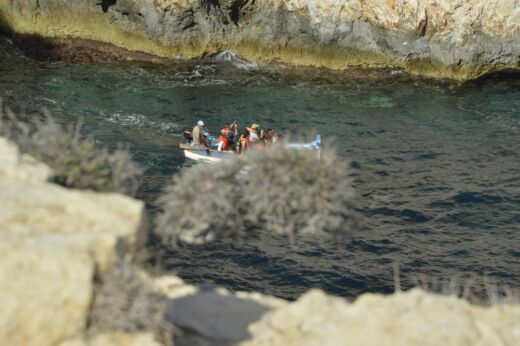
<point x="252" y="134"/>
<point x="262" y="143"/>
<point x="259" y="130"/>
<point x="198" y="135"/>
<point x="233" y="133"/>
<point x="271" y="136"/>
<point x="223" y="140"/>
<point x="243" y="144"/>
<point x="227" y="137"/>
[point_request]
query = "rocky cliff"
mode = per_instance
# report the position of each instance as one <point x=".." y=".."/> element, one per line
<point x="458" y="39"/>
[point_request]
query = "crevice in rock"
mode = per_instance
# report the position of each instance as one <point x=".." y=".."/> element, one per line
<point x="105" y="4"/>
<point x="235" y="10"/>
<point x="423" y="26"/>
<point x="187" y="20"/>
<point x="213" y="8"/>
<point x="189" y="26"/>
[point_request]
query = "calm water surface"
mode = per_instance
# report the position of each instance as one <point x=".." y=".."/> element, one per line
<point x="436" y="167"/>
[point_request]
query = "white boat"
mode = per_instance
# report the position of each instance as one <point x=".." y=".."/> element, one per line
<point x="206" y="155"/>
<point x="213" y="156"/>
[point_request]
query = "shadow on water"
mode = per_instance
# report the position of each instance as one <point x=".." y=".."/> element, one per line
<point x="509" y="76"/>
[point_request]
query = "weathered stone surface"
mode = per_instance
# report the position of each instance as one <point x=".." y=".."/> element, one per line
<point x="14" y="165"/>
<point x="174" y="287"/>
<point x="458" y="39"/>
<point x="115" y="339"/>
<point x="411" y="318"/>
<point x="224" y="318"/>
<point x="52" y="240"/>
<point x="211" y="316"/>
<point x="45" y="288"/>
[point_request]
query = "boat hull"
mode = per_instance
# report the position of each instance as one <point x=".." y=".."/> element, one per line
<point x="210" y="156"/>
<point x="215" y="156"/>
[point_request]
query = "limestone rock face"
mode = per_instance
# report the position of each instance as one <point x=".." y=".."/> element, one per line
<point x="115" y="339"/>
<point x="19" y="166"/>
<point x="411" y="318"/>
<point x="211" y="316"/>
<point x="459" y="39"/>
<point x="52" y="240"/>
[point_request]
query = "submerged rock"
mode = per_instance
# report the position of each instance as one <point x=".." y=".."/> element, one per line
<point x="459" y="39"/>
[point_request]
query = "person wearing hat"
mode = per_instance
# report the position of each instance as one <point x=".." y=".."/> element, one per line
<point x="198" y="134"/>
<point x="258" y="129"/>
<point x="253" y="134"/>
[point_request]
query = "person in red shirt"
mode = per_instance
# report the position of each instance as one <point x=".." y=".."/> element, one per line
<point x="223" y="140"/>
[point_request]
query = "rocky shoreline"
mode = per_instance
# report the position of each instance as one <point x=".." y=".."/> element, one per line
<point x="57" y="242"/>
<point x="455" y="39"/>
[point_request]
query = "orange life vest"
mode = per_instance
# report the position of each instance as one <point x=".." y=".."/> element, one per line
<point x="224" y="139"/>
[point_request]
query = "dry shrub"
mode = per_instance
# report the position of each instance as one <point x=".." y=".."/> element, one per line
<point x="76" y="161"/>
<point x="124" y="300"/>
<point x="278" y="190"/>
<point x="476" y="289"/>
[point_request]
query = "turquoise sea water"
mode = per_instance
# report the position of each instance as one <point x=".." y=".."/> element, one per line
<point x="436" y="167"/>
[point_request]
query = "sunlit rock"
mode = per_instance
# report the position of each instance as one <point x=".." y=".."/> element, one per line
<point x="18" y="166"/>
<point x="52" y="241"/>
<point x="115" y="339"/>
<point x="411" y="318"/>
<point x="459" y="39"/>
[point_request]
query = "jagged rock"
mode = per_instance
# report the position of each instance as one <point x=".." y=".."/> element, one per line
<point x="52" y="240"/>
<point x="211" y="316"/>
<point x="411" y="318"/>
<point x="460" y="39"/>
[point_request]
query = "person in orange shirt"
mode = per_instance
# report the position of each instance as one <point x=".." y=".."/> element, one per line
<point x="223" y="140"/>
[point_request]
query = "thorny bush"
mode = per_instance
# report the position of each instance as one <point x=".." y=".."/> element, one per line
<point x="278" y="190"/>
<point x="76" y="160"/>
<point x="125" y="300"/>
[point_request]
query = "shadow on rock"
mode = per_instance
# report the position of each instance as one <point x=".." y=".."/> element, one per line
<point x="211" y="318"/>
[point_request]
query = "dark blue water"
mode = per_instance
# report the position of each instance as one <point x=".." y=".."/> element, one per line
<point x="436" y="167"/>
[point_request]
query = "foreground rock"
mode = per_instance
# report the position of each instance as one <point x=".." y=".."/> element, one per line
<point x="115" y="339"/>
<point x="459" y="39"/>
<point x="209" y="315"/>
<point x="52" y="241"/>
<point x="411" y="318"/>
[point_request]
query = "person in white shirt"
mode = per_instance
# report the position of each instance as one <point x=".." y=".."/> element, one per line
<point x="253" y="135"/>
<point x="198" y="134"/>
